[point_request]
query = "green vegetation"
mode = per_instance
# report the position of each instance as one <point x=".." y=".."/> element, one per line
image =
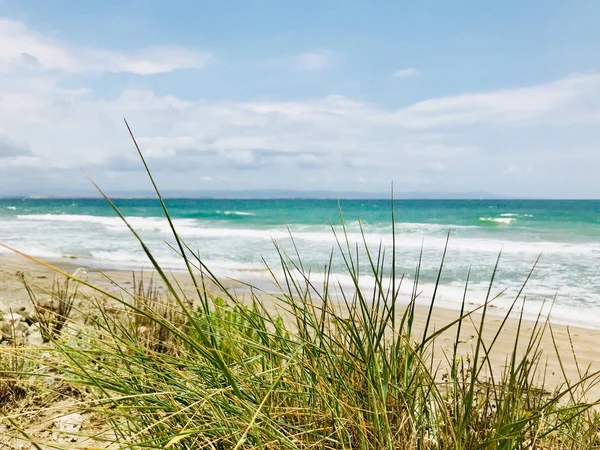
<point x="333" y="369"/>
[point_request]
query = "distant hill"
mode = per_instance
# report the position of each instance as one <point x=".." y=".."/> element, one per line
<point x="280" y="194"/>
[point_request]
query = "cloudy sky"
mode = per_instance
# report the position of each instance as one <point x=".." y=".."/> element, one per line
<point x="437" y="96"/>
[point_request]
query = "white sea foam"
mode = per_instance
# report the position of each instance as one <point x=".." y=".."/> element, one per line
<point x="430" y="237"/>
<point x="60" y="217"/>
<point x="34" y="250"/>
<point x="114" y="223"/>
<point x="515" y="215"/>
<point x="504" y="220"/>
<point x="238" y="213"/>
<point x="156" y="222"/>
<point x="12" y="208"/>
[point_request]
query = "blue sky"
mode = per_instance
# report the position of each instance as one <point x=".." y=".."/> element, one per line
<point x="462" y="96"/>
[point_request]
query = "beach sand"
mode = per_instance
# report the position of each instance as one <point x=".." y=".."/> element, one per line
<point x="584" y="342"/>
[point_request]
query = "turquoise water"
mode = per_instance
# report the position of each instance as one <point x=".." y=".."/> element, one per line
<point x="234" y="236"/>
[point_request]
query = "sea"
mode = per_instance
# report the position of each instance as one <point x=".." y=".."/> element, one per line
<point x="238" y="239"/>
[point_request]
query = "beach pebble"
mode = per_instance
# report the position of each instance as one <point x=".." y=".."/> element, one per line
<point x="35" y="338"/>
<point x="66" y="427"/>
<point x="21" y="327"/>
<point x="9" y="316"/>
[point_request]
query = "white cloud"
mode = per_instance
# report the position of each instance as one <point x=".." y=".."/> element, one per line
<point x="436" y="166"/>
<point x="22" y="48"/>
<point x="517" y="170"/>
<point x="240" y="157"/>
<point x="17" y="162"/>
<point x="562" y="101"/>
<point x="10" y="149"/>
<point x="314" y="61"/>
<point x="310" y="61"/>
<point x="404" y="73"/>
<point x="463" y="140"/>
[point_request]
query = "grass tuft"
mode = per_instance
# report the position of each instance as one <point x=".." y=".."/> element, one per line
<point x="52" y="312"/>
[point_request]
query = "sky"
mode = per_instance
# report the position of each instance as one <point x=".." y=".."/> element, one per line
<point x="434" y="96"/>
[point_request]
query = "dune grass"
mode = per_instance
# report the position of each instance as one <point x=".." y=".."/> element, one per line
<point x="334" y="368"/>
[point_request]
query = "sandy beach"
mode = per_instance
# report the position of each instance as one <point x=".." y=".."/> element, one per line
<point x="578" y="347"/>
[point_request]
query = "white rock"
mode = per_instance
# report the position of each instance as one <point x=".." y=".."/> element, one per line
<point x="66" y="427"/>
<point x="35" y="339"/>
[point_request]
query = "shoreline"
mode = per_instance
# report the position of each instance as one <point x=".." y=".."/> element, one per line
<point x="124" y="270"/>
<point x="568" y="339"/>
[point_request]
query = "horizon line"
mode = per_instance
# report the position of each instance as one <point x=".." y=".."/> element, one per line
<point x="374" y="197"/>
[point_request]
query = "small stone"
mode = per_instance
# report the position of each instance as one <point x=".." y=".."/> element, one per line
<point x="11" y="316"/>
<point x="35" y="339"/>
<point x="66" y="427"/>
<point x="22" y="327"/>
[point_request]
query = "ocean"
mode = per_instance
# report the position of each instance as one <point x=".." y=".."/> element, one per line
<point x="235" y="238"/>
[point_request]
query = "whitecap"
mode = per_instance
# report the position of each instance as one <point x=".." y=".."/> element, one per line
<point x="504" y="220"/>
<point x="112" y="223"/>
<point x="238" y="213"/>
<point x="515" y="215"/>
